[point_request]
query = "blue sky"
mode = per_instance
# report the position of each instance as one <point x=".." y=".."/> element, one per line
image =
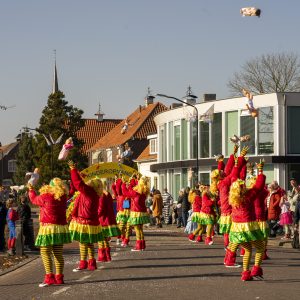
<point x="112" y="51"/>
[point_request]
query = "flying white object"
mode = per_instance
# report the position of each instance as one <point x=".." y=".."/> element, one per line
<point x="250" y="12"/>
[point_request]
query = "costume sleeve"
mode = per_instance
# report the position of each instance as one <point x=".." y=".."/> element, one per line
<point x="229" y="165"/>
<point x="258" y="187"/>
<point x="101" y="207"/>
<point x="78" y="182"/>
<point x="35" y="199"/>
<point x="221" y="165"/>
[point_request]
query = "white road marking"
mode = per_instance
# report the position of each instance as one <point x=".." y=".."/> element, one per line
<point x="84" y="278"/>
<point x="61" y="290"/>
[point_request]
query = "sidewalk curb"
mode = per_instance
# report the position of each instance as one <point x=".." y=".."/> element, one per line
<point x="13" y="268"/>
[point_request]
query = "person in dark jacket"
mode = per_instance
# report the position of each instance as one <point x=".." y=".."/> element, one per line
<point x="3" y="213"/>
<point x="24" y="212"/>
<point x="186" y="206"/>
<point x="297" y="218"/>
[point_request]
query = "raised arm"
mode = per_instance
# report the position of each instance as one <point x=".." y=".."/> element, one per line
<point x="34" y="198"/>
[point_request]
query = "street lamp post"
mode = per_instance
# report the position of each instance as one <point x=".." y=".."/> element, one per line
<point x="50" y="142"/>
<point x="197" y="130"/>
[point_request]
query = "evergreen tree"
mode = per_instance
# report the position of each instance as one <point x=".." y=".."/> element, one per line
<point x="25" y="158"/>
<point x="58" y="118"/>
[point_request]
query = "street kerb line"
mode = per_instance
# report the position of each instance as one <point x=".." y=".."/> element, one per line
<point x="61" y="290"/>
<point x="84" y="278"/>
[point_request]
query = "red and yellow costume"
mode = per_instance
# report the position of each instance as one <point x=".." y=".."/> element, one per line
<point x="123" y="213"/>
<point x="108" y="223"/>
<point x="84" y="226"/>
<point x="138" y="213"/>
<point x="53" y="231"/>
<point x="195" y="217"/>
<point x="245" y="230"/>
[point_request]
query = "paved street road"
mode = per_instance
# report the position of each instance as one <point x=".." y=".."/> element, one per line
<point x="170" y="268"/>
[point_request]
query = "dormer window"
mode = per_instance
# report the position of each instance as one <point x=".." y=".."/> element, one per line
<point x="153" y="146"/>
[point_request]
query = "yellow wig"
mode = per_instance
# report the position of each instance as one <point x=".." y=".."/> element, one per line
<point x="236" y="193"/>
<point x="215" y="176"/>
<point x="192" y="196"/>
<point x="96" y="184"/>
<point x="143" y="186"/>
<point x="57" y="187"/>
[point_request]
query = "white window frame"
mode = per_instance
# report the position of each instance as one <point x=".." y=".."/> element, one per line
<point x="153" y="146"/>
<point x="12" y="165"/>
<point x="109" y="155"/>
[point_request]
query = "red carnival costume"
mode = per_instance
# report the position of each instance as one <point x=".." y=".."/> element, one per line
<point x="195" y="217"/>
<point x="109" y="225"/>
<point x="138" y="213"/>
<point x="245" y="230"/>
<point x="123" y="213"/>
<point x="84" y="226"/>
<point x="53" y="231"/>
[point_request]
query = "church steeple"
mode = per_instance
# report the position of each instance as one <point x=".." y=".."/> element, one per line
<point x="55" y="80"/>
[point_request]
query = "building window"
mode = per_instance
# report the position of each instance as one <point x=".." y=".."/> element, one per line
<point x="109" y="155"/>
<point x="265" y="130"/>
<point x="204" y="178"/>
<point x="177" y="186"/>
<point x="269" y="172"/>
<point x="204" y="139"/>
<point x="216" y="132"/>
<point x="177" y="143"/>
<point x="170" y="141"/>
<point x="153" y="143"/>
<point x="12" y="166"/>
<point x="293" y="172"/>
<point x="162" y="144"/>
<point x="194" y="139"/>
<point x="184" y="138"/>
<point x="231" y="129"/>
<point x="248" y="128"/>
<point x="293" y="140"/>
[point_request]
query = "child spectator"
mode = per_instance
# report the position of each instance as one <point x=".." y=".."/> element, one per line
<point x="286" y="219"/>
<point x="11" y="218"/>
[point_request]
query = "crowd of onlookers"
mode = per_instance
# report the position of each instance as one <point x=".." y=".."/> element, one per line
<point x="14" y="207"/>
<point x="282" y="207"/>
<point x="283" y="212"/>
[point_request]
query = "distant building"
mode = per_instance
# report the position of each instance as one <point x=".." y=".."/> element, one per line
<point x="8" y="163"/>
<point x="127" y="140"/>
<point x="275" y="137"/>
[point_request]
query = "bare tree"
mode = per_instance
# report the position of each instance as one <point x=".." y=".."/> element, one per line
<point x="269" y="73"/>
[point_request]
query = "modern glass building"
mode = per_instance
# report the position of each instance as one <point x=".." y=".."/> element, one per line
<point x="275" y="136"/>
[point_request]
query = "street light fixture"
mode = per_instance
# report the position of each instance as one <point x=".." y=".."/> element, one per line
<point x="49" y="140"/>
<point x="197" y="130"/>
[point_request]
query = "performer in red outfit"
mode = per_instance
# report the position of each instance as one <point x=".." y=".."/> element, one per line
<point x="197" y="203"/>
<point x="84" y="226"/>
<point x="138" y="210"/>
<point x="108" y="222"/>
<point x="245" y="230"/>
<point x="53" y="231"/>
<point x="123" y="213"/>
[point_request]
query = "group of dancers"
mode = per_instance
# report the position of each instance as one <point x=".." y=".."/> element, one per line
<point x="241" y="211"/>
<point x="90" y="219"/>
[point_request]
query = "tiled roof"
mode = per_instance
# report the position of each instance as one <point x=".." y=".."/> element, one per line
<point x="140" y="122"/>
<point x="7" y="148"/>
<point x="93" y="130"/>
<point x="145" y="155"/>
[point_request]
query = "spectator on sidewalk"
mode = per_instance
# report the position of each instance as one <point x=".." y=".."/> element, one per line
<point x="293" y="197"/>
<point x="3" y="213"/>
<point x="186" y="206"/>
<point x="179" y="208"/>
<point x="286" y="219"/>
<point x="167" y="206"/>
<point x="297" y="218"/>
<point x="11" y="218"/>
<point x="157" y="207"/>
<point x="274" y="210"/>
<point x="24" y="212"/>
